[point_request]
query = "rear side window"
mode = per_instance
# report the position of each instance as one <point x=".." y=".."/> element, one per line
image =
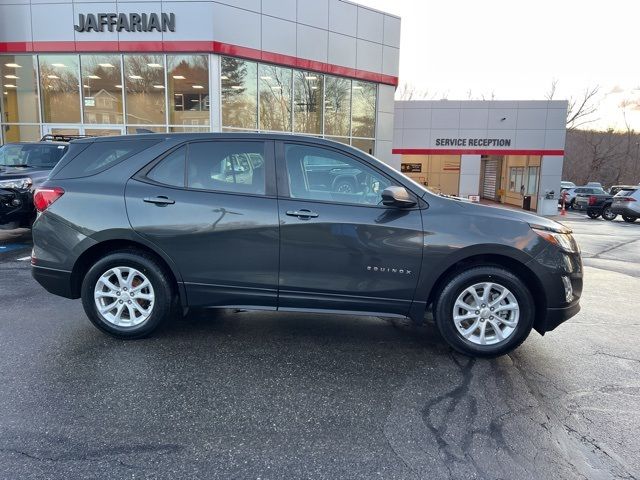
<point x="100" y="156"/>
<point x="171" y="169"/>
<point x="227" y="166"/>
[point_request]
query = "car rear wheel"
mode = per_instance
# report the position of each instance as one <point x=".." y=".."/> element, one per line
<point x="593" y="214"/>
<point x="484" y="312"/>
<point x="629" y="219"/>
<point x="126" y="294"/>
<point x="607" y="214"/>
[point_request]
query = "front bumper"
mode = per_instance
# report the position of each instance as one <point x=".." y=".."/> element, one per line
<point x="54" y="281"/>
<point x="556" y="316"/>
<point x="16" y="206"/>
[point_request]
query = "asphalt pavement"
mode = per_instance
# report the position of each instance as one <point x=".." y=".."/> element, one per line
<point x="270" y="396"/>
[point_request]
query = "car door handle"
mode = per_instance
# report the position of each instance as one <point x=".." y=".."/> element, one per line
<point x="160" y="200"/>
<point x="304" y="213"/>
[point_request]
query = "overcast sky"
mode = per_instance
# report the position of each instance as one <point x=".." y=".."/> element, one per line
<point x="514" y="49"/>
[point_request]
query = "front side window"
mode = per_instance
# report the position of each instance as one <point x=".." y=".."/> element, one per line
<point x="316" y="173"/>
<point x="31" y="155"/>
<point x="227" y="167"/>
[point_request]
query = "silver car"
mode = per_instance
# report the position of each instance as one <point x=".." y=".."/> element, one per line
<point x="627" y="204"/>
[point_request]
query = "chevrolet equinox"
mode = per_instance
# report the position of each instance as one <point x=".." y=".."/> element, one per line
<point x="142" y="226"/>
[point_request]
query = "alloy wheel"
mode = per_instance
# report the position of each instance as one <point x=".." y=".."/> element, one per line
<point x="124" y="296"/>
<point x="486" y="313"/>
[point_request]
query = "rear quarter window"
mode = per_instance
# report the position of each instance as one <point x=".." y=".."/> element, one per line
<point x="99" y="156"/>
<point x="625" y="193"/>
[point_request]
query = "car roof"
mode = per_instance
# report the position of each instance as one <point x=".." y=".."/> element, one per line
<point x="38" y="143"/>
<point x="214" y="136"/>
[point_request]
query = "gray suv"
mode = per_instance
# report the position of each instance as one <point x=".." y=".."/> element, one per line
<point x="142" y="226"/>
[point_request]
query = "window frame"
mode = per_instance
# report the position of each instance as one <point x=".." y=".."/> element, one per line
<point x="283" y="177"/>
<point x="270" y="173"/>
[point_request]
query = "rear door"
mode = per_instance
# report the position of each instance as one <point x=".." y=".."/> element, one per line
<point x="211" y="206"/>
<point x="340" y="248"/>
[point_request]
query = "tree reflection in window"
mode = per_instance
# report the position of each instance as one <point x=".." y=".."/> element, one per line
<point x="363" y="116"/>
<point x="275" y="98"/>
<point x="60" y="88"/>
<point x="145" y="95"/>
<point x="337" y="106"/>
<point x="239" y="93"/>
<point x="307" y="102"/>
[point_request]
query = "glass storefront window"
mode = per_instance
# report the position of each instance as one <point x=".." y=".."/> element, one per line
<point x="145" y="89"/>
<point x="60" y="88"/>
<point x="364" y="144"/>
<point x="102" y="132"/>
<point x="21" y="133"/>
<point x="101" y="89"/>
<point x="307" y="102"/>
<point x="275" y="98"/>
<point x="337" y="103"/>
<point x="239" y="81"/>
<point x="363" y="116"/>
<point x="189" y="129"/>
<point x="532" y="182"/>
<point x="188" y="78"/>
<point x="18" y="83"/>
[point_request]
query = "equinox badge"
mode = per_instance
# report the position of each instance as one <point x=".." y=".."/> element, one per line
<point x="402" y="271"/>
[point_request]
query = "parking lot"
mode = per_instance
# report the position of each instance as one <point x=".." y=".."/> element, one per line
<point x="263" y="395"/>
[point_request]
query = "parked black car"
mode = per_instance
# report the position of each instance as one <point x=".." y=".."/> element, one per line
<point x="601" y="203"/>
<point x="136" y="225"/>
<point x="24" y="166"/>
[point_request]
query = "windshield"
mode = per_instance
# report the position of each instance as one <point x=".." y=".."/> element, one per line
<point x="34" y="155"/>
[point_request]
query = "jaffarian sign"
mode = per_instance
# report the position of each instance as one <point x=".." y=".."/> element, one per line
<point x="132" y="22"/>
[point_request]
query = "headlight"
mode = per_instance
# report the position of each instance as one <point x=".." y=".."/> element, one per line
<point x="563" y="240"/>
<point x="19" y="183"/>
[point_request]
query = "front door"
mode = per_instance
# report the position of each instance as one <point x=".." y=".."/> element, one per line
<point x="211" y="207"/>
<point x="340" y="249"/>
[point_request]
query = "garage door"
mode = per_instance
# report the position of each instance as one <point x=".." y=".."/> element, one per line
<point x="490" y="173"/>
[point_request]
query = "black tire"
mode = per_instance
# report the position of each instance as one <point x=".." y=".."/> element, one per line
<point x="607" y="214"/>
<point x="444" y="306"/>
<point x="157" y="276"/>
<point x="593" y="214"/>
<point x="571" y="203"/>
<point x="629" y="219"/>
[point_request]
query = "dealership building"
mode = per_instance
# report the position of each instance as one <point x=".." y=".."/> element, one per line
<point x="327" y="68"/>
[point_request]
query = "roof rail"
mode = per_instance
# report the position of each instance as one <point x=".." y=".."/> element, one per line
<point x="62" y="137"/>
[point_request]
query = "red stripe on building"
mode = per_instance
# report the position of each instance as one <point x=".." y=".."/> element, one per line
<point x="436" y="151"/>
<point x="196" y="46"/>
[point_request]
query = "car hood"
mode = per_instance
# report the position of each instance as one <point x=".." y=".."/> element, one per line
<point x="477" y="209"/>
<point x="12" y="173"/>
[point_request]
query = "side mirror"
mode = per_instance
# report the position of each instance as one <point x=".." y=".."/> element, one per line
<point x="397" y="197"/>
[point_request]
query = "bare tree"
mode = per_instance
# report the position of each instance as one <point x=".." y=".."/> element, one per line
<point x="582" y="109"/>
<point x="552" y="89"/>
<point x="408" y="91"/>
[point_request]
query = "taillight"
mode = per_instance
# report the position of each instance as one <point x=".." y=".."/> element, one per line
<point x="44" y="197"/>
<point x="592" y="200"/>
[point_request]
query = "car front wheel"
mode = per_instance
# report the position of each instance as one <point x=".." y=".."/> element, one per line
<point x="607" y="214"/>
<point x="629" y="219"/>
<point x="484" y="311"/>
<point x="593" y="214"/>
<point x="126" y="294"/>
